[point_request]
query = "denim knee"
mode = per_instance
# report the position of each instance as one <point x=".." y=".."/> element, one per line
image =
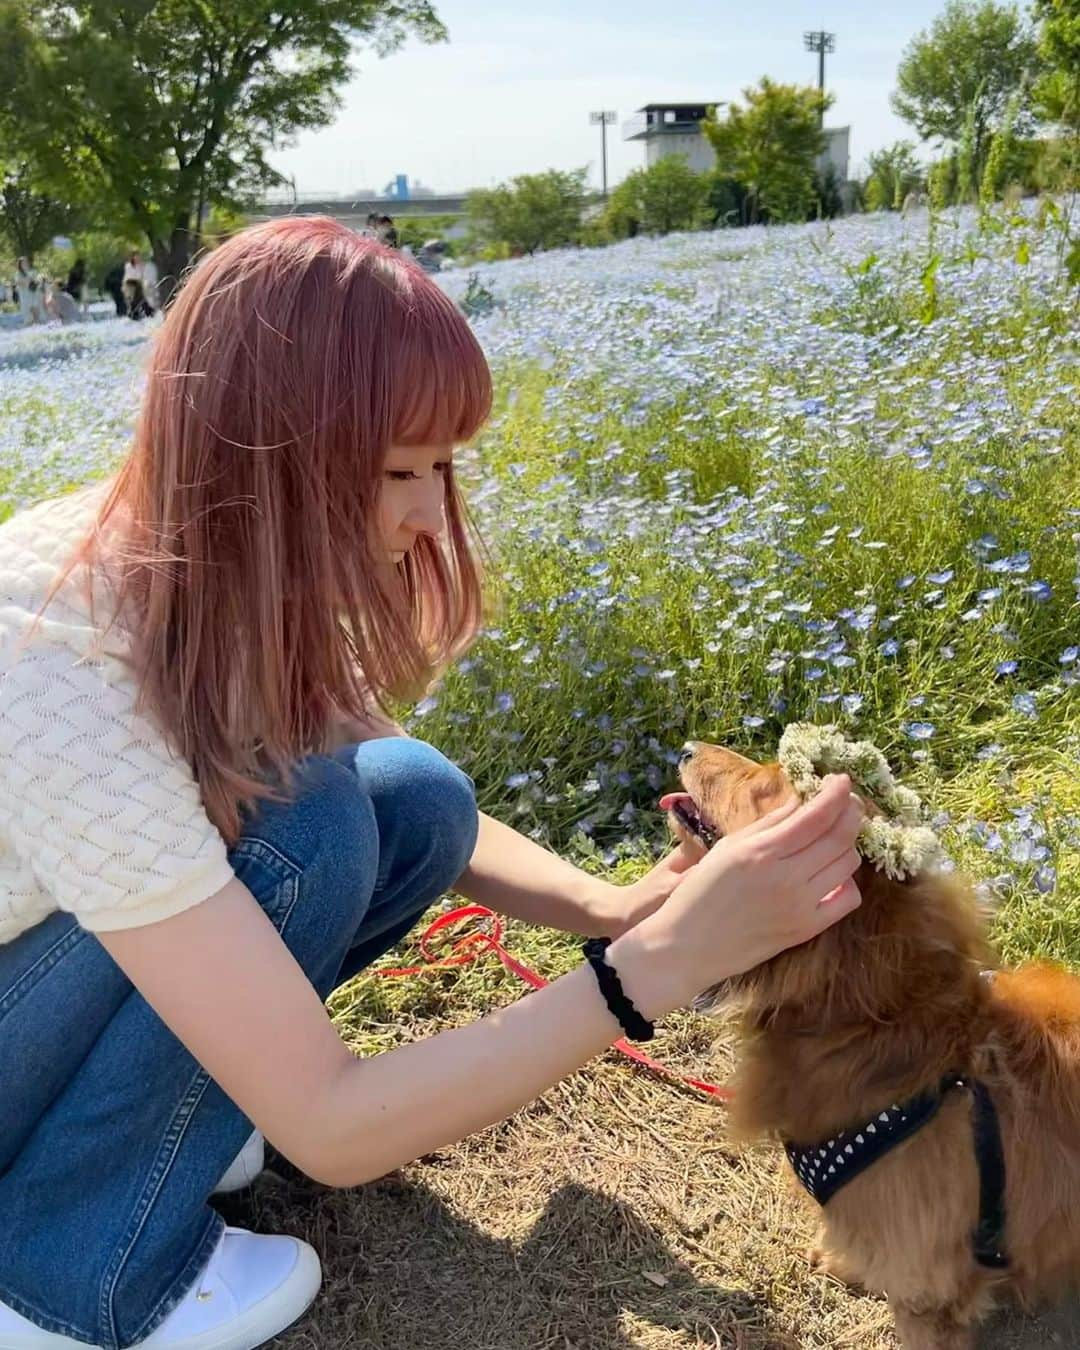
<point x="421" y="786"/>
<point x="324" y="839"/>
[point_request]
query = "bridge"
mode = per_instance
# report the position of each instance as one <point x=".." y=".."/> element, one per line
<point x="355" y="210"/>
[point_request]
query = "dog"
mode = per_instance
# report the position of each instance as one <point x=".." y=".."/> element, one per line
<point x="900" y="1011"/>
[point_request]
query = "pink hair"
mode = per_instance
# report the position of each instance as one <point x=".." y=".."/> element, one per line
<point x="240" y="530"/>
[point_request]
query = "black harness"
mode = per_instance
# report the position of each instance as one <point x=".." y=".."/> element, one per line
<point x="825" y="1167"/>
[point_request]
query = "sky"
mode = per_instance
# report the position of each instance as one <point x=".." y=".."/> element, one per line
<point x="512" y="90"/>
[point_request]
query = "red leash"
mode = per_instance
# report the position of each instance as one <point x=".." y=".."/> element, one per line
<point x="472" y="945"/>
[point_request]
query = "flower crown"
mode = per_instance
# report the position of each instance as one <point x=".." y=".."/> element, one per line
<point x="896" y="843"/>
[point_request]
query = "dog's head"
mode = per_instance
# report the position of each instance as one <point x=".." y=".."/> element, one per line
<point x="863" y="966"/>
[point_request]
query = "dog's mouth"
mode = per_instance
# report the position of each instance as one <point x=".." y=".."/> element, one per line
<point x="691" y="817"/>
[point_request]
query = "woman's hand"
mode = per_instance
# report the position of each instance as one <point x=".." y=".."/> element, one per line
<point x="776" y="884"/>
<point x="619" y="908"/>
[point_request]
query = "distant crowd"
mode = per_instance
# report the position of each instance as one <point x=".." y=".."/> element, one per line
<point x="132" y="284"/>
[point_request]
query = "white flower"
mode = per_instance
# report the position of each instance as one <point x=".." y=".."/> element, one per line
<point x="896" y="843"/>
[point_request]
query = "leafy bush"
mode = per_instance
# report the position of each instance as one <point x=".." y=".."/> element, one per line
<point x="665" y="197"/>
<point x="533" y="211"/>
<point x="894" y="172"/>
<point x="771" y="146"/>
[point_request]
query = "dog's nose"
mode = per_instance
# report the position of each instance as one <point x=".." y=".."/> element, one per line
<point x="687" y="752"/>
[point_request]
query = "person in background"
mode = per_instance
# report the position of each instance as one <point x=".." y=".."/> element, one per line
<point x="77" y="287"/>
<point x="29" y="286"/>
<point x="387" y="232"/>
<point x="114" y="286"/>
<point x="59" y="303"/>
<point x="135" y="288"/>
<point x="371" y="227"/>
<point x="150" y="286"/>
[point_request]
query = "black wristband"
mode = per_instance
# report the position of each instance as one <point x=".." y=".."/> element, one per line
<point x="631" y="1021"/>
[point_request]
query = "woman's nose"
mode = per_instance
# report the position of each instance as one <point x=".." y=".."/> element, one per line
<point x="427" y="515"/>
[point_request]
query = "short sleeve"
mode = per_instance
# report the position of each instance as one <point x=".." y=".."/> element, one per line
<point x="93" y="802"/>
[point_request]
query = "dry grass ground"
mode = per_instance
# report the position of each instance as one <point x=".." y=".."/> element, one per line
<point x="611" y="1214"/>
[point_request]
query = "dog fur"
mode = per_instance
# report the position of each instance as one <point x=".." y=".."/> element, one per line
<point x="874" y="1010"/>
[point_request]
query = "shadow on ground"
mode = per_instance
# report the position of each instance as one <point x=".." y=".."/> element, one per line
<point x="404" y="1271"/>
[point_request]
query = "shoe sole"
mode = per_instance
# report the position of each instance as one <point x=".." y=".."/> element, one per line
<point x="269" y="1317"/>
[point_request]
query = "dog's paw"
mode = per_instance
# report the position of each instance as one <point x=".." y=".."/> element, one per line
<point x="827" y="1263"/>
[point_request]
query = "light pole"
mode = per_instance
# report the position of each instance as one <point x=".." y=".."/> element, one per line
<point x="603" y="120"/>
<point x="821" y="43"/>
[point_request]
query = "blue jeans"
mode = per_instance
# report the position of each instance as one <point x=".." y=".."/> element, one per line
<point x="111" y="1135"/>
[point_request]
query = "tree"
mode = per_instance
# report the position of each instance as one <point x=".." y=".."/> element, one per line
<point x="975" y="57"/>
<point x="168" y="106"/>
<point x="894" y="172"/>
<point x="28" y="217"/>
<point x="532" y="211"/>
<point x="771" y="147"/>
<point x="667" y="196"/>
<point x="1058" y="91"/>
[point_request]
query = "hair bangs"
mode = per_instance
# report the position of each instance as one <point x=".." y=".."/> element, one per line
<point x="442" y="393"/>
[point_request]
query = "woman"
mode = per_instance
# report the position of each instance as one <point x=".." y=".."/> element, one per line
<point x="135" y="288"/>
<point x="207" y="821"/>
<point x="77" y="286"/>
<point x="31" y="294"/>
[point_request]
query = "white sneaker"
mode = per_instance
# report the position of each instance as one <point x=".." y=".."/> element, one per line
<point x="244" y="1168"/>
<point x="253" y="1287"/>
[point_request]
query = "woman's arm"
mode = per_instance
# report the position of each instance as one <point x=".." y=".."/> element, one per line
<point x="514" y="875"/>
<point x="224" y="982"/>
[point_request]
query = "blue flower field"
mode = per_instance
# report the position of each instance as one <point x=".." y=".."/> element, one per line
<point x="825" y="472"/>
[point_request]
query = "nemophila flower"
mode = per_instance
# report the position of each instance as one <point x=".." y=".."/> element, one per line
<point x="919" y="731"/>
<point x="942" y="577"/>
<point x="1006" y="667"/>
<point x="889" y="647"/>
<point x="1069" y="656"/>
<point x="1025" y="704"/>
<point x="1045" y="879"/>
<point x="906" y="581"/>
<point x="990" y="751"/>
<point x="1039" y="590"/>
<point x="425" y="706"/>
<point x="1015" y="565"/>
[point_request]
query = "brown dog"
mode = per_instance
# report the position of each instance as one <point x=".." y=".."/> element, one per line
<point x="890" y="1003"/>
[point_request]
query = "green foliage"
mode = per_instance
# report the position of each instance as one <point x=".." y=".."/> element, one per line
<point x="962" y="73"/>
<point x="894" y="172"/>
<point x="966" y="156"/>
<point x="29" y="216"/>
<point x="533" y="211"/>
<point x="771" y="146"/>
<point x="417" y="230"/>
<point x="148" y="110"/>
<point x="1058" y="90"/>
<point x="724" y="199"/>
<point x="1001" y="156"/>
<point x="942" y="182"/>
<point x="667" y="196"/>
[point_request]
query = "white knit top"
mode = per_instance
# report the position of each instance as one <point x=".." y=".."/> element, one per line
<point x="97" y="816"/>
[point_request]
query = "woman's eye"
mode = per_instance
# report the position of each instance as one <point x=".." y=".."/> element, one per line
<point x="400" y="475"/>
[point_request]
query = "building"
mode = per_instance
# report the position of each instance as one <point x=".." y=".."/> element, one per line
<point x="837" y="152"/>
<point x="672" y="129"/>
<point x="675" y="129"/>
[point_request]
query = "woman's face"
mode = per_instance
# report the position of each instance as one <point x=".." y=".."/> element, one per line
<point x="412" y="497"/>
